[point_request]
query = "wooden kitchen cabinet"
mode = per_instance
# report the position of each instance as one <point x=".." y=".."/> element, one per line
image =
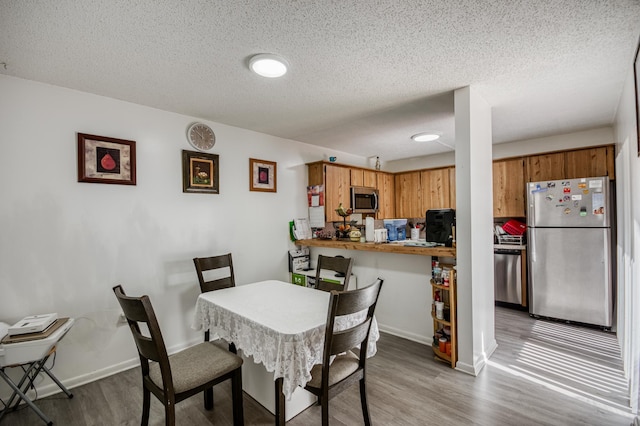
<point x="336" y="190"/>
<point x="590" y="162"/>
<point x="508" y="188"/>
<point x="452" y="187"/>
<point x="577" y="163"/>
<point x="408" y="195"/>
<point x="362" y="177"/>
<point x="435" y="193"/>
<point x="545" y="167"/>
<point x="386" y="195"/>
<point x="336" y="181"/>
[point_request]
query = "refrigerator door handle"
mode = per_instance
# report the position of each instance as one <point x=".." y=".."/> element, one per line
<point x="532" y="245"/>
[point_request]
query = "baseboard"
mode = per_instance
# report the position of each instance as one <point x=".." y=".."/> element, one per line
<point x="480" y="362"/>
<point x="401" y="333"/>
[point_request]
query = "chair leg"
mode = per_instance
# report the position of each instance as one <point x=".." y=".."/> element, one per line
<point x="146" y="404"/>
<point x="208" y="393"/>
<point x="170" y="414"/>
<point x="208" y="399"/>
<point x="236" y="390"/>
<point x="363" y="401"/>
<point x="325" y="408"/>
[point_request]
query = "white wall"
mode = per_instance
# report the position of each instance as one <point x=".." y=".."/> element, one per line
<point x="628" y="187"/>
<point x="65" y="244"/>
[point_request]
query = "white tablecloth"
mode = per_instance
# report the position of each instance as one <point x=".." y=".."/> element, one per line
<point x="279" y="324"/>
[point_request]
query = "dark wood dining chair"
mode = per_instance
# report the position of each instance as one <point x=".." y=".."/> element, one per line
<point x="338" y="264"/>
<point x="174" y="378"/>
<point x="221" y="279"/>
<point x="204" y="264"/>
<point x="349" y="365"/>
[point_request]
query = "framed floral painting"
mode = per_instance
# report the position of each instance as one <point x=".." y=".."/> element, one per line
<point x="262" y="175"/>
<point x="200" y="172"/>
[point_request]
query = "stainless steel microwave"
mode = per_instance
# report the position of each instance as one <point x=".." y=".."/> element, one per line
<point x="364" y="200"/>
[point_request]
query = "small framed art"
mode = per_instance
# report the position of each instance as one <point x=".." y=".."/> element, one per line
<point x="262" y="175"/>
<point x="106" y="160"/>
<point x="200" y="172"/>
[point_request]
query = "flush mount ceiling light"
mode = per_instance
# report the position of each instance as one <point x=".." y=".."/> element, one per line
<point x="425" y="137"/>
<point x="268" y="65"/>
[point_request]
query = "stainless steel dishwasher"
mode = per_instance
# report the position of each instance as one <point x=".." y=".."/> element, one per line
<point x="507" y="275"/>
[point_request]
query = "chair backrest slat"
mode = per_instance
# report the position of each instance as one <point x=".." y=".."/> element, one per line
<point x="349" y="339"/>
<point x="338" y="264"/>
<point x="204" y="264"/>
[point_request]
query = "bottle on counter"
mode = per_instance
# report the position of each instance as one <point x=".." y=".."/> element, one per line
<point x="437" y="272"/>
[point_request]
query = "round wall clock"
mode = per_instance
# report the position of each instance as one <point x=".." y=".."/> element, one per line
<point x="201" y="137"/>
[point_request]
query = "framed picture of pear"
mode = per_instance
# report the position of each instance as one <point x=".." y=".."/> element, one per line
<point x="200" y="172"/>
<point x="103" y="159"/>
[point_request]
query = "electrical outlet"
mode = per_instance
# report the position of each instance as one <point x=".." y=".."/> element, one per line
<point x="122" y="320"/>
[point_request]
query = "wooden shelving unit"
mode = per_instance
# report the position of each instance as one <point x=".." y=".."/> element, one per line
<point x="448" y="296"/>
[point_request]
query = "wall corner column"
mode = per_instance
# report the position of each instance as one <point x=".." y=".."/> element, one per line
<point x="474" y="230"/>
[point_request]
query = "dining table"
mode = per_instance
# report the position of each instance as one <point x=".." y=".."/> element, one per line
<point x="280" y="325"/>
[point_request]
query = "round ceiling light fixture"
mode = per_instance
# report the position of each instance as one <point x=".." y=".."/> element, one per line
<point x="425" y="137"/>
<point x="268" y="65"/>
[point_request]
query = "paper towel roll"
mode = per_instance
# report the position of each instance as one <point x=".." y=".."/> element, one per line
<point x="369" y="227"/>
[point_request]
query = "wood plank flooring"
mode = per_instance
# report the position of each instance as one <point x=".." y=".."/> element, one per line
<point x="542" y="373"/>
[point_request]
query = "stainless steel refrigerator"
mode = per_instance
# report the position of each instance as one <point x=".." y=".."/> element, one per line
<point x="569" y="244"/>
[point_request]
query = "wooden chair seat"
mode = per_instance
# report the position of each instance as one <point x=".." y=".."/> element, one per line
<point x="196" y="366"/>
<point x="341" y="368"/>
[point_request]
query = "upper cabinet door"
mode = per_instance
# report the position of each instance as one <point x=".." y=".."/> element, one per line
<point x="435" y="190"/>
<point x="508" y="188"/>
<point x="386" y="195"/>
<point x="361" y="177"/>
<point x="408" y="195"/>
<point x="452" y="187"/>
<point x="336" y="189"/>
<point x="370" y="179"/>
<point x="591" y="162"/>
<point x="357" y="177"/>
<point x="545" y="167"/>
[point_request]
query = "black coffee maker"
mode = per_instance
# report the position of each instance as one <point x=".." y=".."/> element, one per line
<point x="439" y="224"/>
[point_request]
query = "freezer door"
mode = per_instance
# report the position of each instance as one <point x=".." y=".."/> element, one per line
<point x="570" y="274"/>
<point x="569" y="203"/>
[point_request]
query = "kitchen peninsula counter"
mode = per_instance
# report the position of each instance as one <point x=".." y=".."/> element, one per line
<point x="379" y="247"/>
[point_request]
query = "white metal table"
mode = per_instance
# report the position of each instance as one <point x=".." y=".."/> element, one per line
<point x="31" y="355"/>
<point x="279" y="324"/>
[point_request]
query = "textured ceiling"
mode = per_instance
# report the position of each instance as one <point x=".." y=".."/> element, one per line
<point x="364" y="75"/>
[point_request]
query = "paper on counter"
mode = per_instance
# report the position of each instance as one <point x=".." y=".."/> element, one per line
<point x="316" y="217"/>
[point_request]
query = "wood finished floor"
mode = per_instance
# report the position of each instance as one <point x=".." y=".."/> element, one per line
<point x="543" y="373"/>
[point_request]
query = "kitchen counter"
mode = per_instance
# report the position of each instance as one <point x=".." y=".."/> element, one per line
<point x="395" y="247"/>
